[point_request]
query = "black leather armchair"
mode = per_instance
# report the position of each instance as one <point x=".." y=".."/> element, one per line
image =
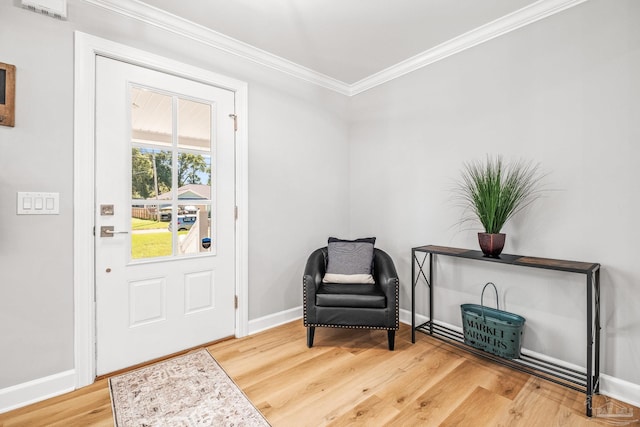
<point x="363" y="306"/>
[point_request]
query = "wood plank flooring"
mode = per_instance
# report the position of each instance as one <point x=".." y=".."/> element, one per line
<point x="350" y="377"/>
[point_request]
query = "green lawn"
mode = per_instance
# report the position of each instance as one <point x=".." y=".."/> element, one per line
<point x="145" y="224"/>
<point x="150" y="245"/>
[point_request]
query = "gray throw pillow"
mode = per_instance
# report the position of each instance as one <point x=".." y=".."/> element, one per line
<point x="349" y="261"/>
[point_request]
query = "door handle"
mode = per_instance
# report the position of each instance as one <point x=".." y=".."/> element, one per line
<point x="108" y="231"/>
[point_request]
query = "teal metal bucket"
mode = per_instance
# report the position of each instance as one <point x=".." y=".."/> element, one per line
<point x="491" y="329"/>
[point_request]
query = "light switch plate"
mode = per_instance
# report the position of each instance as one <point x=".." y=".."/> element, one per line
<point x="37" y="203"/>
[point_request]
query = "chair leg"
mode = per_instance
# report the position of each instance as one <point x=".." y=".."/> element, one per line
<point x="391" y="334"/>
<point x="310" y="332"/>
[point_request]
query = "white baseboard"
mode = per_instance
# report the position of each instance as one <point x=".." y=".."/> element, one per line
<point x="609" y="386"/>
<point x="34" y="391"/>
<point x="620" y="389"/>
<point x="405" y="317"/>
<point x="272" y="320"/>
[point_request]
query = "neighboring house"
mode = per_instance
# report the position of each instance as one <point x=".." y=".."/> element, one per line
<point x="189" y="192"/>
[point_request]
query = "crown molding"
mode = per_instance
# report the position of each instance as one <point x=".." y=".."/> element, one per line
<point x="153" y="16"/>
<point x="159" y="18"/>
<point x="518" y="19"/>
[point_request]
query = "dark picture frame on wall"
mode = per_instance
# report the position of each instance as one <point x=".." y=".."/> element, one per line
<point x="7" y="94"/>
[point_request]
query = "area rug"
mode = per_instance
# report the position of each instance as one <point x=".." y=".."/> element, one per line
<point x="189" y="390"/>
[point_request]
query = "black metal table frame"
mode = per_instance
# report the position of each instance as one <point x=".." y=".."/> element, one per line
<point x="587" y="381"/>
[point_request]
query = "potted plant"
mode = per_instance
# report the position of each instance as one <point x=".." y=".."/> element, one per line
<point x="493" y="191"/>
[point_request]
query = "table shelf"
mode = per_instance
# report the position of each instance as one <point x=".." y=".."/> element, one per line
<point x="585" y="381"/>
<point x="567" y="377"/>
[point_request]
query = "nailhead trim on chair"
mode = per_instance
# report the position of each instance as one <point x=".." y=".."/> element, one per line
<point x="304" y="298"/>
<point x="304" y="302"/>
<point x="351" y="327"/>
<point x="397" y="303"/>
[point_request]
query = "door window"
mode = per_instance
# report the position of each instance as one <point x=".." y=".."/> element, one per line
<point x="172" y="197"/>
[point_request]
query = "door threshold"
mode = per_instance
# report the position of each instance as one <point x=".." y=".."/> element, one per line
<point x="160" y="359"/>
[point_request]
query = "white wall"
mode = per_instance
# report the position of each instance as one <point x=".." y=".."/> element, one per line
<point x="36" y="252"/>
<point x="298" y="171"/>
<point x="563" y="92"/>
<point x="297" y="132"/>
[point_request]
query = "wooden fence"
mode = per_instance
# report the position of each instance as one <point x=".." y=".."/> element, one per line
<point x="149" y="212"/>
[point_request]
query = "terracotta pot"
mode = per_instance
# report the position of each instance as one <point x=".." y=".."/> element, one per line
<point x="491" y="244"/>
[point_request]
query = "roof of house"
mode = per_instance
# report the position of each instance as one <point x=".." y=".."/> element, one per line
<point x="190" y="192"/>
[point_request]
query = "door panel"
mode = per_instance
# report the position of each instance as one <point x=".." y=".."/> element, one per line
<point x="147" y="301"/>
<point x="165" y="275"/>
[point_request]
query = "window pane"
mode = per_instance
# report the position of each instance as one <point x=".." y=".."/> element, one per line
<point x="151" y="121"/>
<point x="194" y="176"/>
<point x="150" y="174"/>
<point x="194" y="230"/>
<point x="150" y="237"/>
<point x="194" y="125"/>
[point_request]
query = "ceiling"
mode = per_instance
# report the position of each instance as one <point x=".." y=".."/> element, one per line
<point x="346" y="40"/>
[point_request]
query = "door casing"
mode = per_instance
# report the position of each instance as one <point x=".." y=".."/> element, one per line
<point x="87" y="47"/>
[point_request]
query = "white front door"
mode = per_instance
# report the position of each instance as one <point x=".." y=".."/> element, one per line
<point x="164" y="225"/>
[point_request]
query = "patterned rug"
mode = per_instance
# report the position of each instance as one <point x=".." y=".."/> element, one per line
<point x="189" y="390"/>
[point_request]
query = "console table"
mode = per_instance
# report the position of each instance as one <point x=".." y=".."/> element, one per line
<point x="584" y="381"/>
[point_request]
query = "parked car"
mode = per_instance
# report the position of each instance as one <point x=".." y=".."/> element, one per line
<point x="165" y="214"/>
<point x="187" y="210"/>
<point x="185" y="222"/>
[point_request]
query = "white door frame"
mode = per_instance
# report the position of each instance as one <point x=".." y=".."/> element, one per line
<point x="87" y="47"/>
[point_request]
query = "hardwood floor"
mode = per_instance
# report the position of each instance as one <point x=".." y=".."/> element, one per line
<point x="350" y="377"/>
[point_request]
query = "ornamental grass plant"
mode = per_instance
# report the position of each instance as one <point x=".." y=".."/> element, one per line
<point x="494" y="191"/>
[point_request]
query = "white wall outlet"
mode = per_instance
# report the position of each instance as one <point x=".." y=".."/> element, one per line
<point x="38" y="203"/>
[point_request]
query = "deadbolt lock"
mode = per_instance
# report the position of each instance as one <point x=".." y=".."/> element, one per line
<point x="106" y="210"/>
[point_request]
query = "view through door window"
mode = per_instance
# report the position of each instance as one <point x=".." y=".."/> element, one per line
<point x="171" y="175"/>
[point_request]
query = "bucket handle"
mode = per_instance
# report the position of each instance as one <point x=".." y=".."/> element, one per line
<point x="482" y="297"/>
